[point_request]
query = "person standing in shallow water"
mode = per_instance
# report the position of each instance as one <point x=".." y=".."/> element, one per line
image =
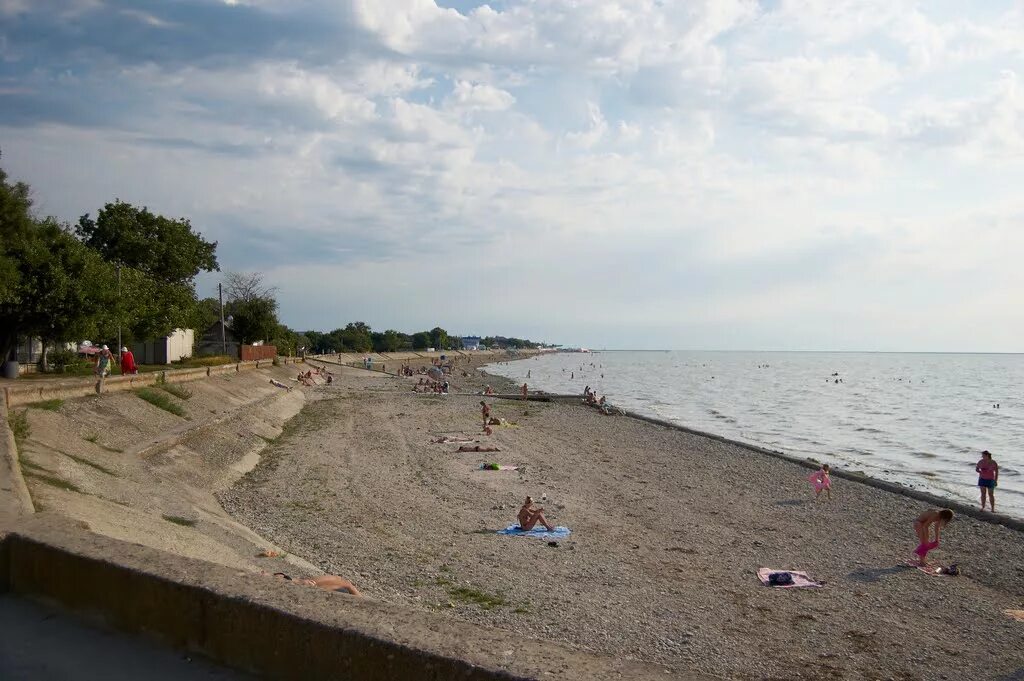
<point x="988" y="475"/>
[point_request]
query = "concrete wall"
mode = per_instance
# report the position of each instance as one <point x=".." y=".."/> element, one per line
<point x="251" y="353"/>
<point x="39" y="390"/>
<point x="275" y="629"/>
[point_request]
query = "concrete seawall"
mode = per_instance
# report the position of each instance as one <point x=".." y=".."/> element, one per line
<point x="275" y="629"/>
<point x="39" y="390"/>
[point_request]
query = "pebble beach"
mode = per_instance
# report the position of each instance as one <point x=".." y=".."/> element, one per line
<point x="668" y="532"/>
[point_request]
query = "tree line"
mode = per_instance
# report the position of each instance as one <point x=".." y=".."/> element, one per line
<point x="359" y="337"/>
<point x="132" y="271"/>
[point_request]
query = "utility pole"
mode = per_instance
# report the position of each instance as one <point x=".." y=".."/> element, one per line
<point x="223" y="335"/>
<point x="118" y="314"/>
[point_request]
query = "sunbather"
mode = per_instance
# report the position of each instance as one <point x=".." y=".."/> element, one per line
<point x="325" y="582"/>
<point x="530" y="516"/>
<point x="477" y="448"/>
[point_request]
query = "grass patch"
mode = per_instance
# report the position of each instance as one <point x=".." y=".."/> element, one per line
<point x="178" y="391"/>
<point x="467" y="594"/>
<point x="158" y="399"/>
<point x="48" y="405"/>
<point x="178" y="520"/>
<point x="53" y="481"/>
<point x="94" y="438"/>
<point x="522" y="610"/>
<point x="86" y="462"/>
<point x="18" y="421"/>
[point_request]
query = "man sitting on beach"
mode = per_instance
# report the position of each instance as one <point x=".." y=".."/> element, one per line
<point x="530" y="516"/>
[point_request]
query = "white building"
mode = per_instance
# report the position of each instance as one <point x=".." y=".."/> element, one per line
<point x="178" y="345"/>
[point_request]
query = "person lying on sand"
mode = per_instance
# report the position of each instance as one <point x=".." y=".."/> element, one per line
<point x="932" y="518"/>
<point x="325" y="582"/>
<point x="530" y="516"/>
<point x="446" y="439"/>
<point x="477" y="448"/>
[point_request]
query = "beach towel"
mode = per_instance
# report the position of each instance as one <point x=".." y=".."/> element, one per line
<point x="800" y="579"/>
<point x="497" y="467"/>
<point x="933" y="569"/>
<point x="537" y="532"/>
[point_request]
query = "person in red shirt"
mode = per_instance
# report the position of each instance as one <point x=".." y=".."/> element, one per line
<point x="988" y="474"/>
<point x="128" y="362"/>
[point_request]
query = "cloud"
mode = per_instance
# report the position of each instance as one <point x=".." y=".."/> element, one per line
<point x="677" y="174"/>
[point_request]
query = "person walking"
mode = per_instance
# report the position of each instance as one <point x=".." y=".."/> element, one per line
<point x="128" y="362"/>
<point x="103" y="361"/>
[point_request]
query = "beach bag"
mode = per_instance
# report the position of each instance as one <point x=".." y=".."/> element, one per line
<point x="780" y="579"/>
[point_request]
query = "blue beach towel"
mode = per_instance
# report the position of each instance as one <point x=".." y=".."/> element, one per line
<point x="538" y="532"/>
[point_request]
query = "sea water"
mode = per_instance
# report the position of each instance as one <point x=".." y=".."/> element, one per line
<point x="921" y="420"/>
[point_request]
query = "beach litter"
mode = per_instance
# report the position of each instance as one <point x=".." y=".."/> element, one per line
<point x="559" y="532"/>
<point x="778" y="579"/>
<point x="497" y="467"/>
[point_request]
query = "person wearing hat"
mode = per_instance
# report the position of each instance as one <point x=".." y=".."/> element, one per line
<point x="988" y="475"/>
<point x="103" y="359"/>
<point x="128" y="362"/>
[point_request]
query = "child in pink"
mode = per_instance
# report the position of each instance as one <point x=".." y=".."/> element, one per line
<point x="821" y="481"/>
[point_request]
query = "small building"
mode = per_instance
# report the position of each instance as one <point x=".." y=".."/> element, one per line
<point x="171" y="348"/>
<point x="211" y="342"/>
<point x="471" y="342"/>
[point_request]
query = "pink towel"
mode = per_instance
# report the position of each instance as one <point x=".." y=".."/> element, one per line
<point x="800" y="579"/>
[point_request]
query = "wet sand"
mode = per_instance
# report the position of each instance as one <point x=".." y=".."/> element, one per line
<point x="669" y="529"/>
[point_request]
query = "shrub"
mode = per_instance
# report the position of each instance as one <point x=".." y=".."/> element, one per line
<point x="178" y="391"/>
<point x="18" y="421"/>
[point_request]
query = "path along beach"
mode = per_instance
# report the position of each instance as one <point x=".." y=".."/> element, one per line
<point x="668" y="532"/>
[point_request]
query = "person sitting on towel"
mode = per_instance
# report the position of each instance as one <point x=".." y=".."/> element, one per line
<point x="530" y="516"/>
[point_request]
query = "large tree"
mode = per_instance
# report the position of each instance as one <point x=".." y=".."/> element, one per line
<point x="51" y="286"/>
<point x="159" y="258"/>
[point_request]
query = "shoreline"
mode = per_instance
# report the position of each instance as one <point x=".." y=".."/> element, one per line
<point x="848" y="470"/>
<point x="669" y="526"/>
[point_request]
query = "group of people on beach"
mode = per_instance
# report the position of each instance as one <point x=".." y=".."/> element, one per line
<point x="929" y="524"/>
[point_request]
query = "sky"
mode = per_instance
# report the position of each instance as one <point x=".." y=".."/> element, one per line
<point x="705" y="174"/>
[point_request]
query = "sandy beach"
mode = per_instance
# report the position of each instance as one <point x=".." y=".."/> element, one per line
<point x="668" y="531"/>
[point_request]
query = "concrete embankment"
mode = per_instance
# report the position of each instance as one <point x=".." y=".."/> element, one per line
<point x="127" y="530"/>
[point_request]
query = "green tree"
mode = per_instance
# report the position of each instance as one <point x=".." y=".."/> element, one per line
<point x="254" y="320"/>
<point x="159" y="259"/>
<point x="51" y="286"/>
<point x="421" y="340"/>
<point x="439" y="338"/>
<point x="357" y="337"/>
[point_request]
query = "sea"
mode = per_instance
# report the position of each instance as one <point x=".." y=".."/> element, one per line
<point x="919" y="419"/>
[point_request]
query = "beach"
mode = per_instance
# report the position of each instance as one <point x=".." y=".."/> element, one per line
<point x="668" y="531"/>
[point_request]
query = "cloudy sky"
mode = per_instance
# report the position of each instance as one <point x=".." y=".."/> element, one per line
<point x="717" y="174"/>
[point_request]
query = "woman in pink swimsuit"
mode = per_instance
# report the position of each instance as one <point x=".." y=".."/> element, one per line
<point x="821" y="481"/>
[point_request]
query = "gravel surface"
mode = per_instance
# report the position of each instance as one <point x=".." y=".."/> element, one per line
<point x="669" y="530"/>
